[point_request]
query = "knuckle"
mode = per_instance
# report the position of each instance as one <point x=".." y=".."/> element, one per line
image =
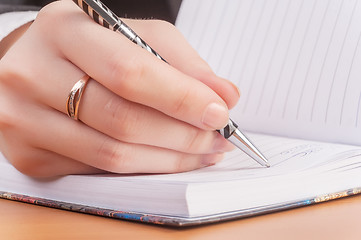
<point x="114" y="157"/>
<point x="125" y="73"/>
<point x="9" y="75"/>
<point x="59" y="14"/>
<point x="191" y="140"/>
<point x="50" y="11"/>
<point x="124" y="120"/>
<point x="180" y="163"/>
<point x="6" y="119"/>
<point x="47" y="9"/>
<point x="54" y="11"/>
<point x="9" y="116"/>
<point x="14" y="79"/>
<point x="182" y="102"/>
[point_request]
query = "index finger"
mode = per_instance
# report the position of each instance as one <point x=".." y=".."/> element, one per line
<point x="135" y="74"/>
<point x="181" y="55"/>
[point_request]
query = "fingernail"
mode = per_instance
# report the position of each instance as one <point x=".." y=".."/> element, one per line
<point x="222" y="145"/>
<point x="211" y="159"/>
<point x="215" y="116"/>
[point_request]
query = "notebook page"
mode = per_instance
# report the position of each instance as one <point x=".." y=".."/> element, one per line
<point x="296" y="62"/>
<point x="286" y="156"/>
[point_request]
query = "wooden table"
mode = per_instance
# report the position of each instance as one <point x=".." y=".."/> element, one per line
<point x="339" y="219"/>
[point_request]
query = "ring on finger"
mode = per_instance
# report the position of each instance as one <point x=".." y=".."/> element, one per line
<point x="74" y="97"/>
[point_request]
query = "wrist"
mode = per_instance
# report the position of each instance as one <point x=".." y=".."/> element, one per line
<point x="9" y="40"/>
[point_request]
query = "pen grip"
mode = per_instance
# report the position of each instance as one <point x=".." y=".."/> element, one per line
<point x="105" y="17"/>
<point x="102" y="15"/>
<point x="228" y="130"/>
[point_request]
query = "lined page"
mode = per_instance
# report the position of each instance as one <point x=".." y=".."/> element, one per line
<point x="286" y="156"/>
<point x="297" y="62"/>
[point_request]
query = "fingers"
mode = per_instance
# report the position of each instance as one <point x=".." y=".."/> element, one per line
<point x="42" y="142"/>
<point x="18" y="125"/>
<point x="136" y="75"/>
<point x="117" y="117"/>
<point x="75" y="140"/>
<point x="135" y="123"/>
<point x="129" y="122"/>
<point x="42" y="164"/>
<point x="179" y="53"/>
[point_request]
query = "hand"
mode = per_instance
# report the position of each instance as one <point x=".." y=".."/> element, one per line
<point x="137" y="114"/>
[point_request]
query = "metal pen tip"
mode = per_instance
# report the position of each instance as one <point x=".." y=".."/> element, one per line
<point x="243" y="143"/>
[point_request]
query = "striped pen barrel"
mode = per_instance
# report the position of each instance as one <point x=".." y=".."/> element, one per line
<point x="105" y="17"/>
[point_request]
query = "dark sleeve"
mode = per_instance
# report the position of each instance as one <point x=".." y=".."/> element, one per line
<point x="11" y="8"/>
<point x="148" y="9"/>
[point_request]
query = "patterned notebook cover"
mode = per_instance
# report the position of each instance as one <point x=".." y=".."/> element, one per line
<point x="175" y="221"/>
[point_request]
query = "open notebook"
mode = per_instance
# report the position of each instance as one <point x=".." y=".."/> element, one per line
<point x="297" y="63"/>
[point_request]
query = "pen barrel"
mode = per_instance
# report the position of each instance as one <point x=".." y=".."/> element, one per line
<point x="132" y="36"/>
<point x="102" y="15"/>
<point x="229" y="129"/>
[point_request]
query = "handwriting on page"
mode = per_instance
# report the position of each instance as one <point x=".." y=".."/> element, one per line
<point x="286" y="156"/>
<point x="297" y="63"/>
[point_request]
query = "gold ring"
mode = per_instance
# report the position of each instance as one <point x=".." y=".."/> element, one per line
<point x="72" y="103"/>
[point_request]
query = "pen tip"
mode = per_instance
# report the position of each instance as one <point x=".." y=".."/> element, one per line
<point x="243" y="143"/>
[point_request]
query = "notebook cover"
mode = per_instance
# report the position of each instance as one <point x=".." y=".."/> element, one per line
<point x="171" y="220"/>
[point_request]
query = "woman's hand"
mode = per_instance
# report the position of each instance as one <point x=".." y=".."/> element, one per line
<point x="137" y="114"/>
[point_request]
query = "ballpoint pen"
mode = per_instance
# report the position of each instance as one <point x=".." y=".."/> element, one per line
<point x="105" y="17"/>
